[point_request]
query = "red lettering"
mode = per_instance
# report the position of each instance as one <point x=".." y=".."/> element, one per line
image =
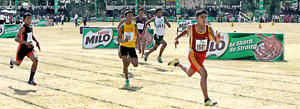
<point x="103" y="32"/>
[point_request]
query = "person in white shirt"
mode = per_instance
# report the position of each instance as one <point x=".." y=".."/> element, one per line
<point x="160" y="23"/>
<point x="1" y="18"/>
<point x="6" y="19"/>
<point x="76" y="18"/>
<point x="62" y="19"/>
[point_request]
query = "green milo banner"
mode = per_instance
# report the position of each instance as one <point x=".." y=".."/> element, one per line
<point x="177" y="7"/>
<point x="107" y="38"/>
<point x="171" y="19"/>
<point x="8" y="31"/>
<point x="42" y="23"/>
<point x="261" y="7"/>
<point x="248" y="46"/>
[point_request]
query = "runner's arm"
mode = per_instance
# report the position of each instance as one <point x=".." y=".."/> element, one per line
<point x="37" y="42"/>
<point x="187" y="30"/>
<point x="167" y="22"/>
<point x="138" y="39"/>
<point x="216" y="37"/>
<point x="18" y="37"/>
<point x="148" y="23"/>
<point x="184" y="32"/>
<point x="146" y="19"/>
<point x="120" y="35"/>
<point x="19" y="34"/>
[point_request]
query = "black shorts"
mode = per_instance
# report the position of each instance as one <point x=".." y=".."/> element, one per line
<point x="126" y="50"/>
<point x="158" y="38"/>
<point x="23" y="51"/>
<point x="1" y="21"/>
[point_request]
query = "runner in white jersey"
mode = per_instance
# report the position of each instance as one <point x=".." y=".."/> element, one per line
<point x="160" y="24"/>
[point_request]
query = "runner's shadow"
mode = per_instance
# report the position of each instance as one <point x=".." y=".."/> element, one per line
<point x="161" y="70"/>
<point x="144" y="63"/>
<point x="21" y="92"/>
<point x="130" y="75"/>
<point x="130" y="88"/>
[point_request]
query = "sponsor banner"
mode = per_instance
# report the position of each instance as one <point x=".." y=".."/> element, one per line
<point x="109" y="19"/>
<point x="96" y="19"/>
<point x="106" y="37"/>
<point x="8" y="31"/>
<point x="248" y="46"/>
<point x="177" y="7"/>
<point x="100" y="19"/>
<point x="78" y="20"/>
<point x="184" y="23"/>
<point x="171" y="19"/>
<point x="93" y="19"/>
<point x="210" y="19"/>
<point x="261" y="7"/>
<point x="44" y="23"/>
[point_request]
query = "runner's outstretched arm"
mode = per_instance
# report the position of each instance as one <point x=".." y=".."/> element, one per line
<point x="187" y="30"/>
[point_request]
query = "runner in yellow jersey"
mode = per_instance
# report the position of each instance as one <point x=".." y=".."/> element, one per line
<point x="127" y="40"/>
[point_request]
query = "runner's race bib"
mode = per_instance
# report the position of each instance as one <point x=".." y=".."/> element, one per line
<point x="29" y="37"/>
<point x="129" y="35"/>
<point x="140" y="26"/>
<point x="201" y="45"/>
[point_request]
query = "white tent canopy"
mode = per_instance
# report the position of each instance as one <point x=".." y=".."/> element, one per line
<point x="9" y="11"/>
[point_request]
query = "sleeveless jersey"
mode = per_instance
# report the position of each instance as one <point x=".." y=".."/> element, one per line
<point x="129" y="32"/>
<point x="199" y="41"/>
<point x="140" y="24"/>
<point x="160" y="25"/>
<point x="27" y="35"/>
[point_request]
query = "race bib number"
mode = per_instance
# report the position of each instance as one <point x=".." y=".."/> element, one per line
<point x="129" y="35"/>
<point x="201" y="45"/>
<point x="140" y="26"/>
<point x="29" y="37"/>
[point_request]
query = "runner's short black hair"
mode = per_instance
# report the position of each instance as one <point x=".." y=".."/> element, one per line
<point x="198" y="13"/>
<point x="128" y="12"/>
<point x="26" y="14"/>
<point x="141" y="9"/>
<point x="158" y="9"/>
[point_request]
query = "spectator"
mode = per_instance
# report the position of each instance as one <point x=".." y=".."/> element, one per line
<point x="18" y="19"/>
<point x="84" y="20"/>
<point x="11" y="19"/>
<point x="292" y="18"/>
<point x="62" y="19"/>
<point x="76" y="18"/>
<point x="56" y="19"/>
<point x="6" y="19"/>
<point x="1" y="19"/>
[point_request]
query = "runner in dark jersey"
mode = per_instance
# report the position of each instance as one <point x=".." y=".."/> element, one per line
<point x="140" y="21"/>
<point x="24" y="38"/>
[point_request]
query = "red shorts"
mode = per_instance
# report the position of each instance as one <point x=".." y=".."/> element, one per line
<point x="196" y="60"/>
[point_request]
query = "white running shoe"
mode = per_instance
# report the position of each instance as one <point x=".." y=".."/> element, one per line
<point x="143" y="56"/>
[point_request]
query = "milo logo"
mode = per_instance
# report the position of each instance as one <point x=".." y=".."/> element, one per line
<point x="95" y="39"/>
<point x="184" y="23"/>
<point x="35" y="22"/>
<point x="43" y="22"/>
<point x="110" y="18"/>
<point x="218" y="49"/>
